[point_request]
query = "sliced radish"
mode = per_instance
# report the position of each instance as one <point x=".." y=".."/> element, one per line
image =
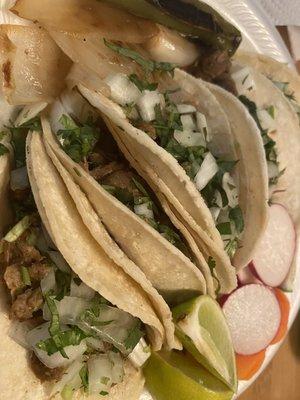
<point x="275" y="252"/>
<point x="246" y="276"/>
<point x="253" y="315"/>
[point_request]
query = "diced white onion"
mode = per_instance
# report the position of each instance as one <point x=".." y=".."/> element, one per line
<point x="147" y="103"/>
<point x="207" y="171"/>
<point x="202" y="125"/>
<point x="243" y="80"/>
<point x="140" y="354"/>
<point x="215" y="211"/>
<point x="70" y="377"/>
<point x="59" y="261"/>
<point x="123" y="91"/>
<point x="186" y="109"/>
<point x="48" y="282"/>
<point x="29" y="112"/>
<point x="230" y="189"/>
<point x="19" y="179"/>
<point x="188" y="122"/>
<point x="273" y="169"/>
<point x="144" y="210"/>
<point x="189" y="139"/>
<point x="82" y="290"/>
<point x="69" y="309"/>
<point x="96" y="344"/>
<point x="100" y="374"/>
<point x="18" y="332"/>
<point x="117" y="366"/>
<point x="267" y="122"/>
<point x="55" y="360"/>
<point x="116" y="331"/>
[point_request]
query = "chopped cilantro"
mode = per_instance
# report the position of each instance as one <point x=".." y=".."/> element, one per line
<point x="269" y="144"/>
<point x="54" y="328"/>
<point x="84" y="376"/>
<point x="123" y="195"/>
<point x="271" y="111"/>
<point x="236" y="215"/>
<point x="18" y="138"/>
<point x="148" y="66"/>
<point x="105" y="380"/>
<point x="224" y="228"/>
<point x="3" y="149"/>
<point x="78" y="140"/>
<point x="70" y="337"/>
<point x="134" y="336"/>
<point x="231" y="247"/>
<point x="3" y="134"/>
<point x="25" y="276"/>
<point x="142" y="84"/>
<point x="63" y="283"/>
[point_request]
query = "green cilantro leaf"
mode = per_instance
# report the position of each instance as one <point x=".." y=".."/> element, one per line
<point x="236" y="215"/>
<point x="134" y="336"/>
<point x="25" y="276"/>
<point x="142" y="84"/>
<point x="148" y="66"/>
<point x="84" y="376"/>
<point x="78" y="141"/>
<point x="3" y="149"/>
<point x="63" y="283"/>
<point x="70" y="337"/>
<point x="54" y="328"/>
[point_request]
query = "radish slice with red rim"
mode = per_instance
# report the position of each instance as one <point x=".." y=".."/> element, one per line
<point x="275" y="252"/>
<point x="246" y="276"/>
<point x="253" y="315"/>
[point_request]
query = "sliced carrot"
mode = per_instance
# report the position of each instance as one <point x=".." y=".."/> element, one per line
<point x="247" y="366"/>
<point x="285" y="312"/>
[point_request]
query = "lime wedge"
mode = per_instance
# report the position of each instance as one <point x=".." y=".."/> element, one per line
<point x="177" y="376"/>
<point x="202" y="328"/>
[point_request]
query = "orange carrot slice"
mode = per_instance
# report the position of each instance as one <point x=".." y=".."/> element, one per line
<point x="285" y="312"/>
<point x="247" y="366"/>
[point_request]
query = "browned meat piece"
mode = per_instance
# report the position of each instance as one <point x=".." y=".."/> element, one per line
<point x="26" y="304"/>
<point x="97" y="158"/>
<point x="42" y="372"/>
<point x="122" y="179"/>
<point x="13" y="278"/>
<point x="227" y="83"/>
<point x="211" y="65"/>
<point x="29" y="253"/>
<point x="100" y="172"/>
<point x="11" y="253"/>
<point x="147" y="128"/>
<point x="38" y="271"/>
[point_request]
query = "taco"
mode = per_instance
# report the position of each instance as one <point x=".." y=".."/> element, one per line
<point x="183" y="181"/>
<point x="124" y="202"/>
<point x="283" y="76"/>
<point x="275" y="114"/>
<point x="70" y="315"/>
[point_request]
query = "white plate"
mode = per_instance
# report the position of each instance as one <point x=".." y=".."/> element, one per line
<point x="261" y="36"/>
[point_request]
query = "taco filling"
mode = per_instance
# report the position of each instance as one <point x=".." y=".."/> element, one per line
<point x="102" y="159"/>
<point x="265" y="119"/>
<point x="77" y="339"/>
<point x="169" y="116"/>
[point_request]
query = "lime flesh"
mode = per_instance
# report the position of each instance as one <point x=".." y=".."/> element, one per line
<point x="202" y="328"/>
<point x="177" y="376"/>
